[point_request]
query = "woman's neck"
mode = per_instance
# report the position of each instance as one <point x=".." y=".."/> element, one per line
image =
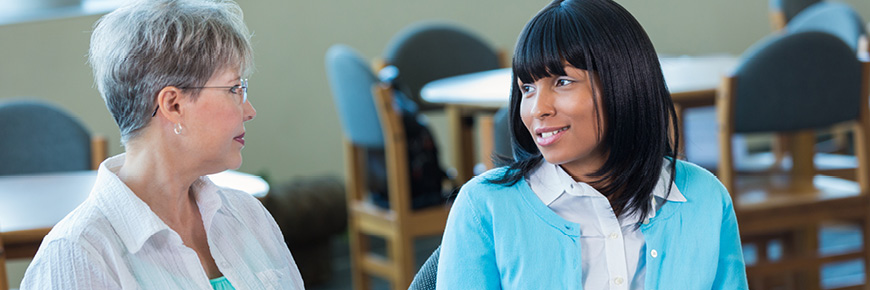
<point x="161" y="180"/>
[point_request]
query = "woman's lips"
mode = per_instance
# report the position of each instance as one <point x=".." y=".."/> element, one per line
<point x="547" y="136"/>
<point x="240" y="139"/>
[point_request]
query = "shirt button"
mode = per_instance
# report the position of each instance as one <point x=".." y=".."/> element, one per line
<point x="613" y="236"/>
<point x="654" y="253"/>
<point x="618" y="281"/>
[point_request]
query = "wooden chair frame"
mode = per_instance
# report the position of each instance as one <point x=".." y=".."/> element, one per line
<point x="799" y="222"/>
<point x="4" y="281"/>
<point x="398" y="225"/>
<point x="99" y="151"/>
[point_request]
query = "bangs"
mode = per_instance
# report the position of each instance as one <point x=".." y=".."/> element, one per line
<point x="549" y="42"/>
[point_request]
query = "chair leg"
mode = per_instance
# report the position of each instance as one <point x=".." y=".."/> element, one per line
<point x="4" y="281"/>
<point x="807" y="245"/>
<point x="359" y="247"/>
<point x="402" y="256"/>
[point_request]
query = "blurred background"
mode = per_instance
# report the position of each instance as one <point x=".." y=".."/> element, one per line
<point x="297" y="133"/>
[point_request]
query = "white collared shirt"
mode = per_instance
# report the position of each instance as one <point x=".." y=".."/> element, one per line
<point x="113" y="240"/>
<point x="611" y="247"/>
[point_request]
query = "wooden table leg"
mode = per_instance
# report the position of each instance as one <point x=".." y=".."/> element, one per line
<point x="802" y="149"/>
<point x="461" y="142"/>
<point x="486" y="127"/>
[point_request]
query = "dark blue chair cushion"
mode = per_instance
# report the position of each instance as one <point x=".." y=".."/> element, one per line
<point x="796" y="81"/>
<point x="39" y="137"/>
<point x="425" y="52"/>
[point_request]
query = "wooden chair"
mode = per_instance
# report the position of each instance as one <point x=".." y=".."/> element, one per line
<point x="843" y="21"/>
<point x="370" y="120"/>
<point x="793" y="84"/>
<point x="39" y="137"/>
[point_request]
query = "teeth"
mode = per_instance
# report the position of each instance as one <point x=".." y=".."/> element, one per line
<point x="551" y="133"/>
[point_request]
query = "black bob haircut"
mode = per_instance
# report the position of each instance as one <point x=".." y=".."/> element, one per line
<point x="600" y="36"/>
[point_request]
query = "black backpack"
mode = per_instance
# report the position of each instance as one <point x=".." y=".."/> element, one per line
<point x="426" y="173"/>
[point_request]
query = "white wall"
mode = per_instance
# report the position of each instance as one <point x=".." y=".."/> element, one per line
<point x="297" y="131"/>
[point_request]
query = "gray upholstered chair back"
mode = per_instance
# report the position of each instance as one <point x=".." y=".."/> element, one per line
<point x="425" y="52"/>
<point x="39" y="137"/>
<point x="502" y="145"/>
<point x="425" y="279"/>
<point x="352" y="80"/>
<point x="796" y="81"/>
<point x="832" y="17"/>
<point x="790" y="8"/>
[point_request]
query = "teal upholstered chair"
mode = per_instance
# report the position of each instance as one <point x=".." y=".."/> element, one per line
<point x="782" y="11"/>
<point x="39" y="137"/>
<point x="835" y="18"/>
<point x="370" y="120"/>
<point x="426" y="51"/>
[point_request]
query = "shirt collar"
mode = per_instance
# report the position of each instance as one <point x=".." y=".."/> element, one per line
<point x="131" y="217"/>
<point x="555" y="182"/>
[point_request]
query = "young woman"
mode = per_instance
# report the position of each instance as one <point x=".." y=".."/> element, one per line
<point x="596" y="197"/>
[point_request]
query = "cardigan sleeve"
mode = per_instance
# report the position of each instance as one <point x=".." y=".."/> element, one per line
<point x="467" y="255"/>
<point x="731" y="272"/>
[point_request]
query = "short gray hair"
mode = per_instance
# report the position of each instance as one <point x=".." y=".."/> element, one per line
<point x="144" y="46"/>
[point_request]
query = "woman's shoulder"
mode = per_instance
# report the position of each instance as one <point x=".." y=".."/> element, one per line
<point x="86" y="224"/>
<point x="485" y="185"/>
<point x="699" y="184"/>
<point x="86" y="232"/>
<point x="483" y="193"/>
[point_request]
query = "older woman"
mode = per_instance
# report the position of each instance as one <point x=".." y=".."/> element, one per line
<point x="172" y="74"/>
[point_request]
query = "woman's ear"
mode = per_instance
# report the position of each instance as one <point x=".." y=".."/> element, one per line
<point x="170" y="99"/>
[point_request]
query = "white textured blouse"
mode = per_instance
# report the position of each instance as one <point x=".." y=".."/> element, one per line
<point x="611" y="246"/>
<point x="113" y="240"/>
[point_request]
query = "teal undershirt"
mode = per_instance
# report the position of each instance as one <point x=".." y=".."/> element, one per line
<point x="221" y="283"/>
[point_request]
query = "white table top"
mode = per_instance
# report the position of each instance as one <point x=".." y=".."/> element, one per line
<point x="492" y="88"/>
<point x="30" y="202"/>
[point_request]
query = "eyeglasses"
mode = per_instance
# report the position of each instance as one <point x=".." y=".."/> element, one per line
<point x="238" y="90"/>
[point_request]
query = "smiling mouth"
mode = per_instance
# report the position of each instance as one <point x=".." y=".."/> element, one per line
<point x="551" y="133"/>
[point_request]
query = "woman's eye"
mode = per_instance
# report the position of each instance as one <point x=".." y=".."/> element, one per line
<point x="563" y="82"/>
<point x="527" y="88"/>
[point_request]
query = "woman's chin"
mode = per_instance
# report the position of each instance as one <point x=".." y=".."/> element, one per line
<point x="236" y="163"/>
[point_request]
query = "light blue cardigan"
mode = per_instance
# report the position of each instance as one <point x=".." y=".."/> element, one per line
<point x="504" y="237"/>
